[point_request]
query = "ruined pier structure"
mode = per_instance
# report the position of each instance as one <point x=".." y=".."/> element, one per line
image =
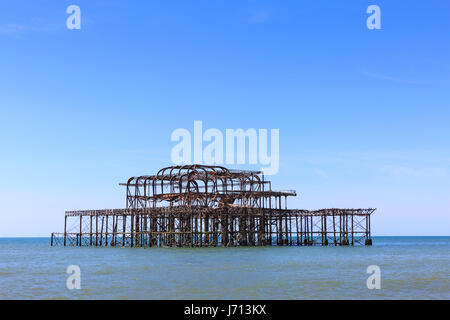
<point x="199" y="205"/>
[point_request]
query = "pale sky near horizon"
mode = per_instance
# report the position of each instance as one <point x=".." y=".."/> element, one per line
<point x="363" y="114"/>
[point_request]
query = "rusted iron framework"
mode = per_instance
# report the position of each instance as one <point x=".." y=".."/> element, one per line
<point x="201" y="205"/>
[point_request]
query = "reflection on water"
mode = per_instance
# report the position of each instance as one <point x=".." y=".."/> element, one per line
<point x="411" y="268"/>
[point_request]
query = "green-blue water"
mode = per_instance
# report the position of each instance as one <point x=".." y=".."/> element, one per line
<point x="411" y="268"/>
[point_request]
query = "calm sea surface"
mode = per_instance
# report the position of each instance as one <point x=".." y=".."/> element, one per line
<point x="411" y="268"/>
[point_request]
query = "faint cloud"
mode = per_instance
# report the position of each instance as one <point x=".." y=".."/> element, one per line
<point x="392" y="78"/>
<point x="320" y="173"/>
<point x="404" y="171"/>
<point x="35" y="26"/>
<point x="425" y="164"/>
<point x="13" y="29"/>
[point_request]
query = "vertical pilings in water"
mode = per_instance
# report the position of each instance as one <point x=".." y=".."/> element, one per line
<point x="200" y="227"/>
<point x="65" y="230"/>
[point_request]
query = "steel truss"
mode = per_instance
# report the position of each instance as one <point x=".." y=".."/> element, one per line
<point x="200" y="206"/>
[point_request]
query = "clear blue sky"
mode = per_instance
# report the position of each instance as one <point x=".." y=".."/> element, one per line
<point x="363" y="114"/>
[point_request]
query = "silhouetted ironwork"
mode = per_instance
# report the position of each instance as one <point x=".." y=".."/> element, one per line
<point x="200" y="205"/>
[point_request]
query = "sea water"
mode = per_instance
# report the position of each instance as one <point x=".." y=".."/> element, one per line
<point x="411" y="268"/>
